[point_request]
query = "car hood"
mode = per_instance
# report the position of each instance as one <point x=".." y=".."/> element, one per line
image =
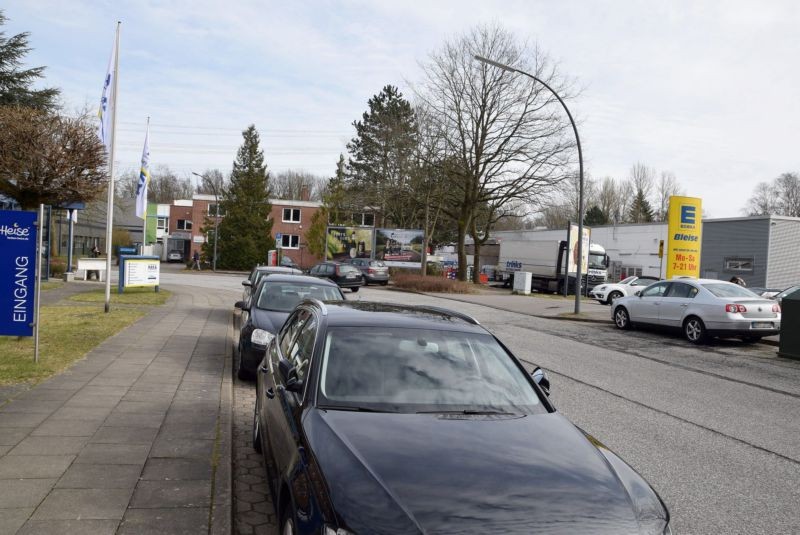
<point x="426" y="473"/>
<point x="268" y="320"/>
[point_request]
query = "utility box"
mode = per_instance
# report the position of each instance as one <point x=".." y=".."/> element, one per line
<point x="522" y="282"/>
<point x="790" y="326"/>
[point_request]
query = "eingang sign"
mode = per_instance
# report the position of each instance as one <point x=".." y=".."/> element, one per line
<point x="685" y="227"/>
<point x="17" y="272"/>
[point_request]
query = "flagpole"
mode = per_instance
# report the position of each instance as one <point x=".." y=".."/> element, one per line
<point x="144" y="218"/>
<point x="110" y="207"/>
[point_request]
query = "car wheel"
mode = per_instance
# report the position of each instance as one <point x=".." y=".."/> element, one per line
<point x="355" y="289"/>
<point x="613" y="296"/>
<point x="242" y="373"/>
<point x="695" y="330"/>
<point x="751" y="339"/>
<point x="621" y="318"/>
<point x="256" y="429"/>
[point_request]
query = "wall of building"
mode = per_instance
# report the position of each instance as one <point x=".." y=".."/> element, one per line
<point x="632" y="249"/>
<point x="783" y="268"/>
<point x="299" y="254"/>
<point x="735" y="247"/>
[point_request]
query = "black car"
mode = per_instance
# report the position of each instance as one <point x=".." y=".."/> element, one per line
<point x="251" y="282"/>
<point x="379" y="418"/>
<point x="264" y="313"/>
<point x="345" y="275"/>
<point x="373" y="271"/>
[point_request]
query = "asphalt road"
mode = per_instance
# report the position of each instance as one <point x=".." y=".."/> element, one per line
<point x="715" y="429"/>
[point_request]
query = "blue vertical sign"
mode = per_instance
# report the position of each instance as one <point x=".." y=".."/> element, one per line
<point x="17" y="272"/>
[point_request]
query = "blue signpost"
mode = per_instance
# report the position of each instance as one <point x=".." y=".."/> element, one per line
<point x="17" y="272"/>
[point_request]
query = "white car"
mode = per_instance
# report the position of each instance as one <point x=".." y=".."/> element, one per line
<point x="701" y="308"/>
<point x="609" y="292"/>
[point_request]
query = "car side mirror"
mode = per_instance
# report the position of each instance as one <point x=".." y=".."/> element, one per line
<point x="540" y="378"/>
<point x="247" y="282"/>
<point x="289" y="375"/>
<point x="239" y="305"/>
<point x="638" y="293"/>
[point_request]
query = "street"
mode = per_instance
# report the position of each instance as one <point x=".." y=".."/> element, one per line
<point x="712" y="428"/>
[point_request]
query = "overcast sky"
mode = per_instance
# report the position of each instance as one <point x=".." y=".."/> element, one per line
<point x="707" y="90"/>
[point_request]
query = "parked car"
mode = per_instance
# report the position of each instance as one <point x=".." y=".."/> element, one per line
<point x="373" y="271"/>
<point x="381" y="418"/>
<point x="769" y="293"/>
<point x="273" y="299"/>
<point x="790" y="290"/>
<point x="701" y="308"/>
<point x="345" y="275"/>
<point x="288" y="262"/>
<point x="175" y="256"/>
<point x="610" y="292"/>
<point x="251" y="282"/>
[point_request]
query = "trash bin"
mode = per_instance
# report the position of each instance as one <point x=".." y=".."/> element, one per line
<point x="790" y="326"/>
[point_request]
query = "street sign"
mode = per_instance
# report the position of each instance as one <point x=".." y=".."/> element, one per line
<point x="17" y="272"/>
<point x="278" y="239"/>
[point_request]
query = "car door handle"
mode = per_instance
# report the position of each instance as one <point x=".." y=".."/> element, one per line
<point x="270" y="393"/>
<point x="685" y="305"/>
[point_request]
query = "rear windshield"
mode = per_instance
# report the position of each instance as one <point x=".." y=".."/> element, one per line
<point x="419" y="370"/>
<point x="727" y="289"/>
<point x="344" y="268"/>
<point x="284" y="296"/>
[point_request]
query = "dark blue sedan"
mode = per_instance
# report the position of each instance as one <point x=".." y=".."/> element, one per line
<point x="385" y="419"/>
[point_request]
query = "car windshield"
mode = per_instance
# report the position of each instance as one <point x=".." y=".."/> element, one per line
<point x="787" y="291"/>
<point x="419" y="370"/>
<point x="347" y="268"/>
<point x="597" y="261"/>
<point x="284" y="296"/>
<point x="627" y="280"/>
<point x="726" y="289"/>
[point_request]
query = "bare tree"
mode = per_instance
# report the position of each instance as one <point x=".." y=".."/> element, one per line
<point x="613" y="198"/>
<point x="764" y="200"/>
<point x="292" y="184"/>
<point x="212" y="182"/>
<point x="49" y="158"/>
<point x="507" y="134"/>
<point x="781" y="197"/>
<point x="642" y="178"/>
<point x="666" y="187"/>
<point x="164" y="187"/>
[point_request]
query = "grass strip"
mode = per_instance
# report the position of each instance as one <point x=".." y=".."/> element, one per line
<point x="51" y="285"/>
<point x="131" y="296"/>
<point x="67" y="334"/>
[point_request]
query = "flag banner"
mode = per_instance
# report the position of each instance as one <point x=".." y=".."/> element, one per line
<point x="144" y="178"/>
<point x="106" y="102"/>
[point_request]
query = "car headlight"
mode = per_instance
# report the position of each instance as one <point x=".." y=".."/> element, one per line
<point x="600" y="288"/>
<point x="331" y="531"/>
<point x="260" y="337"/>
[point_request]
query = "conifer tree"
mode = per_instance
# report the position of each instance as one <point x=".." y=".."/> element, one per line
<point x="245" y="233"/>
<point x="640" y="211"/>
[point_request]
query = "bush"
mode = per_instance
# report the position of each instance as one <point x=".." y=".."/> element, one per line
<point x="429" y="283"/>
<point x="58" y="266"/>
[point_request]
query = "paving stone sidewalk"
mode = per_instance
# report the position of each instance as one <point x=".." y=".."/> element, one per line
<point x="135" y="438"/>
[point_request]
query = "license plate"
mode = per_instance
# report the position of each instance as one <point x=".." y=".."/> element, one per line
<point x="761" y="325"/>
<point x="351" y="276"/>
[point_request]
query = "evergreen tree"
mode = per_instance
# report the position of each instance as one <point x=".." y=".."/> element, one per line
<point x="382" y="156"/>
<point x="15" y="82"/>
<point x="594" y="217"/>
<point x="640" y="211"/>
<point x="245" y="233"/>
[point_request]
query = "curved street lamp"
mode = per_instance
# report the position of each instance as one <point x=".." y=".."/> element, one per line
<point x="579" y="273"/>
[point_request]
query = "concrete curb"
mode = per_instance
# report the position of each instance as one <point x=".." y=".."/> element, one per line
<point x="221" y="521"/>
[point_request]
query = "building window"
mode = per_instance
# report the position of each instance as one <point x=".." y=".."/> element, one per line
<point x="628" y="271"/>
<point x="162" y="223"/>
<point x="184" y="224"/>
<point x="290" y="241"/>
<point x="291" y="215"/>
<point x="739" y="265"/>
<point x="212" y="210"/>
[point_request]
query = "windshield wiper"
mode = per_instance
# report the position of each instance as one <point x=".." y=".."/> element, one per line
<point x="464" y="411"/>
<point x="349" y="408"/>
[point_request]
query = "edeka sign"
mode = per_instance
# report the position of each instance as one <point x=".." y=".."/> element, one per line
<point x="17" y="272"/>
<point x="685" y="236"/>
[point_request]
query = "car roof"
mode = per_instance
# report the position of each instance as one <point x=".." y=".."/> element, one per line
<point x="285" y="277"/>
<point x="377" y="314"/>
<point x="276" y="269"/>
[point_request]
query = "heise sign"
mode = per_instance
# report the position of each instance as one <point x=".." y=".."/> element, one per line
<point x="685" y="237"/>
<point x="17" y="272"/>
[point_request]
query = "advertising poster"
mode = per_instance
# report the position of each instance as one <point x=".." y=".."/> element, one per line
<point x="344" y="243"/>
<point x="399" y="247"/>
<point x="141" y="272"/>
<point x="572" y="266"/>
<point x="17" y="272"/>
<point x="685" y="236"/>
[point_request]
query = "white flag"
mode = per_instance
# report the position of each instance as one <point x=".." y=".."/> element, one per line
<point x="107" y="103"/>
<point x="144" y="177"/>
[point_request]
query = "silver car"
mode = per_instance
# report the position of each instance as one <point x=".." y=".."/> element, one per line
<point x="701" y="308"/>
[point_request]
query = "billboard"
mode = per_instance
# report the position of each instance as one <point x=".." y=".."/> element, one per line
<point x="399" y="247"/>
<point x="17" y="272"/>
<point x="139" y="271"/>
<point x="344" y="243"/>
<point x="685" y="236"/>
<point x="572" y="257"/>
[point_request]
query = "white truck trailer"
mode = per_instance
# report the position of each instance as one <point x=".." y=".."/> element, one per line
<point x="544" y="256"/>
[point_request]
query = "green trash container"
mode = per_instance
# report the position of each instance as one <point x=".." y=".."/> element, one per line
<point x="790" y="326"/>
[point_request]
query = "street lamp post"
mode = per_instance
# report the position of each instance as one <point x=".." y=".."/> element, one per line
<point x="579" y="273"/>
<point x="216" y="218"/>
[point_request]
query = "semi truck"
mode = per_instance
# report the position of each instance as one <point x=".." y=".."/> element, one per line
<point x="545" y="257"/>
